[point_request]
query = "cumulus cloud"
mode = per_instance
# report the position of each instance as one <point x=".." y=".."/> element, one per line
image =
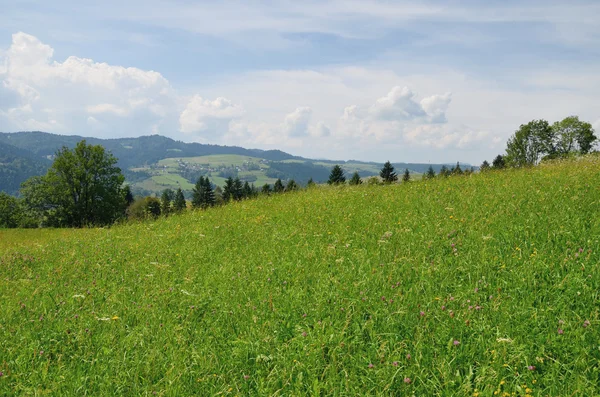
<point x="202" y="116"/>
<point x="397" y="105"/>
<point x="295" y="124"/>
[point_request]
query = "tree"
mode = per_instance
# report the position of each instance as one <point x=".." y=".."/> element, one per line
<point x="203" y="195"/>
<point x="179" y="203"/>
<point x="457" y="170"/>
<point x="82" y="187"/>
<point x="387" y="173"/>
<point x="529" y="143"/>
<point x="355" y="180"/>
<point x="247" y="190"/>
<point x="336" y="177"/>
<point x="165" y="201"/>
<point x="310" y="183"/>
<point x="278" y="186"/>
<point x="127" y="195"/>
<point x="406" y="176"/>
<point x="228" y="189"/>
<point x="10" y="211"/>
<point x="238" y="189"/>
<point x="266" y="189"/>
<point x="485" y="166"/>
<point x="291" y="186"/>
<point x="572" y="135"/>
<point x="444" y="171"/>
<point x="430" y="174"/>
<point x="498" y="163"/>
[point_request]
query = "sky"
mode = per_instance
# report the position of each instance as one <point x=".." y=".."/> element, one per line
<point x="405" y="81"/>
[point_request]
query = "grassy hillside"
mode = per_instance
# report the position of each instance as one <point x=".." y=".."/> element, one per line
<point x="464" y="286"/>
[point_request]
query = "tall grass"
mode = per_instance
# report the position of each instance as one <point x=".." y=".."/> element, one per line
<point x="482" y="285"/>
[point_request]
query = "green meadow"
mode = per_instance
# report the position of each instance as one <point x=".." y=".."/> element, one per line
<point x="480" y="285"/>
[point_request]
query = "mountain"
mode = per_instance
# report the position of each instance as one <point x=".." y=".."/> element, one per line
<point x="154" y="163"/>
<point x="17" y="165"/>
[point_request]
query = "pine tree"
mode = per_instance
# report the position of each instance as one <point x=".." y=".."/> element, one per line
<point x="430" y="174"/>
<point x="457" y="170"/>
<point x="485" y="166"/>
<point x="266" y="189"/>
<point x="238" y="189"/>
<point x="209" y="194"/>
<point x="228" y="190"/>
<point x="336" y="177"/>
<point x="179" y="203"/>
<point x="291" y="186"/>
<point x="128" y="195"/>
<point x="355" y="180"/>
<point x="444" y="171"/>
<point x="406" y="176"/>
<point x="278" y="186"/>
<point x="499" y="162"/>
<point x="387" y="173"/>
<point x="165" y="201"/>
<point x="198" y="193"/>
<point x="246" y="190"/>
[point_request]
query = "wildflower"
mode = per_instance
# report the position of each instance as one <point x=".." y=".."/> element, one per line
<point x="304" y="315"/>
<point x="531" y="367"/>
<point x="456" y="342"/>
<point x="246" y="377"/>
<point x="304" y="333"/>
<point x="560" y="331"/>
<point x="408" y="356"/>
<point x="395" y="363"/>
<point x="407" y="380"/>
<point x="443" y="307"/>
<point x="115" y="318"/>
<point x="477" y="307"/>
<point x="1" y="374"/>
<point x="422" y="313"/>
<point x="586" y="323"/>
<point x="41" y="352"/>
<point x="371" y="365"/>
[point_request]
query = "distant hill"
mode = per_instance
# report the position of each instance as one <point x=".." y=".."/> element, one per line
<point x="154" y="163"/>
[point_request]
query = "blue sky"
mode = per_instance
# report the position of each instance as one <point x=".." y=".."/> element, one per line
<point x="400" y="80"/>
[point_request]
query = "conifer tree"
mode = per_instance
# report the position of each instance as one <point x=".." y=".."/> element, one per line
<point x="355" y="180"/>
<point x="179" y="203"/>
<point x="336" y="177"/>
<point x="228" y="190"/>
<point x="387" y="173"/>
<point x="238" y="189"/>
<point x="165" y="201"/>
<point x="457" y="170"/>
<point x="291" y="186"/>
<point x="430" y="174"/>
<point x="278" y="186"/>
<point x="198" y="193"/>
<point x="127" y="195"/>
<point x="266" y="189"/>
<point x="499" y="162"/>
<point x="246" y="190"/>
<point x="209" y="194"/>
<point x="406" y="176"/>
<point x="485" y="166"/>
<point x="444" y="171"/>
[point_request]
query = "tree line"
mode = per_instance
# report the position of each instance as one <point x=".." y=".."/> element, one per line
<point x="84" y="187"/>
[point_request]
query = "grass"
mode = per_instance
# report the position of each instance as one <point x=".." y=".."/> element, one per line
<point x="461" y="286"/>
<point x="216" y="160"/>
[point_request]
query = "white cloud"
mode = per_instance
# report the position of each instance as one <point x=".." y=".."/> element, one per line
<point x="295" y="124"/>
<point x="436" y="106"/>
<point x="202" y="116"/>
<point x="320" y="130"/>
<point x="61" y="96"/>
<point x="397" y="105"/>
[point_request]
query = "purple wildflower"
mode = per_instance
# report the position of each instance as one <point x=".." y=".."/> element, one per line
<point x="443" y="307"/>
<point x="395" y="363"/>
<point x="371" y="365"/>
<point x="422" y="313"/>
<point x="586" y="323"/>
<point x="456" y="342"/>
<point x="561" y="331"/>
<point x="246" y="377"/>
<point x="407" y="380"/>
<point x="408" y="356"/>
<point x="531" y="368"/>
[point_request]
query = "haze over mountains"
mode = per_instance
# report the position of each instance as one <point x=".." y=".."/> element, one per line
<point x="153" y="163"/>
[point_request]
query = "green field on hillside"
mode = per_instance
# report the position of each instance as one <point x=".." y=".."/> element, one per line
<point x="480" y="285"/>
<point x="217" y="160"/>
